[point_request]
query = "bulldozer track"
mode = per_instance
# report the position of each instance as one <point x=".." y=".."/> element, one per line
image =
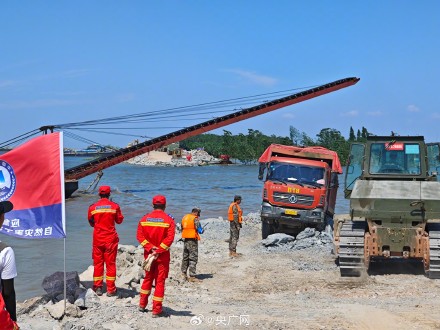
<point x="434" y="250"/>
<point x="351" y="249"/>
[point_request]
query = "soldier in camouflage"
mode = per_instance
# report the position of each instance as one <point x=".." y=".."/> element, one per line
<point x="235" y="217"/>
<point x="191" y="237"/>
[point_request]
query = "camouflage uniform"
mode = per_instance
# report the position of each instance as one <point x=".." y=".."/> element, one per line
<point x="190" y="255"/>
<point x="234" y="231"/>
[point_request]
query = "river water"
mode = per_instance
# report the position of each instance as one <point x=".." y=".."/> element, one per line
<point x="212" y="188"/>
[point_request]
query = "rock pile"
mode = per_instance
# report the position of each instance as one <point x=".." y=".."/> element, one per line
<point x="54" y="286"/>
<point x="196" y="157"/>
<point x="189" y="158"/>
<point x="80" y="295"/>
<point x="308" y="238"/>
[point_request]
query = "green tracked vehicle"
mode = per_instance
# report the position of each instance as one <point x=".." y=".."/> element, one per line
<point x="391" y="182"/>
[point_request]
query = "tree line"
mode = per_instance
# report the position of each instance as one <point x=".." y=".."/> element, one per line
<point x="247" y="148"/>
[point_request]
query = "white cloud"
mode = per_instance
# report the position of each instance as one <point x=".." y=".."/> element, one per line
<point x="254" y="77"/>
<point x="288" y="116"/>
<point x="375" y="113"/>
<point x="66" y="74"/>
<point x="413" y="108"/>
<point x="353" y="113"/>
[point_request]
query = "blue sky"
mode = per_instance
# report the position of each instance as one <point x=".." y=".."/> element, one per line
<point x="71" y="61"/>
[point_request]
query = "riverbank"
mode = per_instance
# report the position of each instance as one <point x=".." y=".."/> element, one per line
<point x="283" y="284"/>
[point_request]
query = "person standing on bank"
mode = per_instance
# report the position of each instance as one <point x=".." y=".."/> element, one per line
<point x="155" y="233"/>
<point x="8" y="271"/>
<point x="191" y="237"/>
<point x="102" y="216"/>
<point x="235" y="217"/>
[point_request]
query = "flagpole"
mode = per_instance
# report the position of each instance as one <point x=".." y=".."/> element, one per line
<point x="63" y="210"/>
<point x="65" y="278"/>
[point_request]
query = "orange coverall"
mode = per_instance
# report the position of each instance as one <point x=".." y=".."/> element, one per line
<point x="155" y="232"/>
<point x="103" y="215"/>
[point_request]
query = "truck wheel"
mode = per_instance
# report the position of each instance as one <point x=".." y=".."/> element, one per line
<point x="320" y="227"/>
<point x="266" y="229"/>
<point x="327" y="222"/>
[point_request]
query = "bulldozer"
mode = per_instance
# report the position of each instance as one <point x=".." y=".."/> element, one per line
<point x="391" y="183"/>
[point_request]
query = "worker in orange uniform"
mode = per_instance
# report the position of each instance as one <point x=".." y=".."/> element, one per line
<point x="191" y="237"/>
<point x="155" y="233"/>
<point x="102" y="216"/>
<point x="235" y="217"/>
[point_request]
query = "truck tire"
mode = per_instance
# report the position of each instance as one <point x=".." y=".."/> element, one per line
<point x="328" y="221"/>
<point x="266" y="229"/>
<point x="320" y="227"/>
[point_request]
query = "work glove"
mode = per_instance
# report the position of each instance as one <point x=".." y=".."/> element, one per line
<point x="200" y="230"/>
<point x="146" y="264"/>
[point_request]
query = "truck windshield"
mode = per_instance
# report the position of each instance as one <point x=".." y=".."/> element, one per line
<point x="296" y="173"/>
<point x="395" y="158"/>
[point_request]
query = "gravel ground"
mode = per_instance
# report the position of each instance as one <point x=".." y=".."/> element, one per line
<point x="270" y="287"/>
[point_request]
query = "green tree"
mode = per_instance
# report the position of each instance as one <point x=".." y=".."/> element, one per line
<point x="364" y="134"/>
<point x="248" y="148"/>
<point x="295" y="136"/>
<point x="307" y="141"/>
<point x="255" y="140"/>
<point x="228" y="144"/>
<point x="332" y="139"/>
<point x="352" y="137"/>
<point x="327" y="137"/>
<point x="247" y="153"/>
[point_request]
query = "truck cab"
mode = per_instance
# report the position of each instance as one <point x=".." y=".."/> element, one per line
<point x="300" y="187"/>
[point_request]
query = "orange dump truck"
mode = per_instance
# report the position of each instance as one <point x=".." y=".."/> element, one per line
<point x="300" y="187"/>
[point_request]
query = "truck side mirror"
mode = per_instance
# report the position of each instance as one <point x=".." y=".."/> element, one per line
<point x="261" y="171"/>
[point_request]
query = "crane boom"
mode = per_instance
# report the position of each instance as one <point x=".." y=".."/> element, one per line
<point x="101" y="163"/>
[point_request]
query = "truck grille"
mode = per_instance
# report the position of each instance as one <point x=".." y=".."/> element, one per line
<point x="279" y="197"/>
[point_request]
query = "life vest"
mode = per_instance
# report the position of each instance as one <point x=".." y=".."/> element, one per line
<point x="189" y="229"/>
<point x="231" y="212"/>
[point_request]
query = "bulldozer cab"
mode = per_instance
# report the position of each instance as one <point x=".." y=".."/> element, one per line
<point x="402" y="158"/>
